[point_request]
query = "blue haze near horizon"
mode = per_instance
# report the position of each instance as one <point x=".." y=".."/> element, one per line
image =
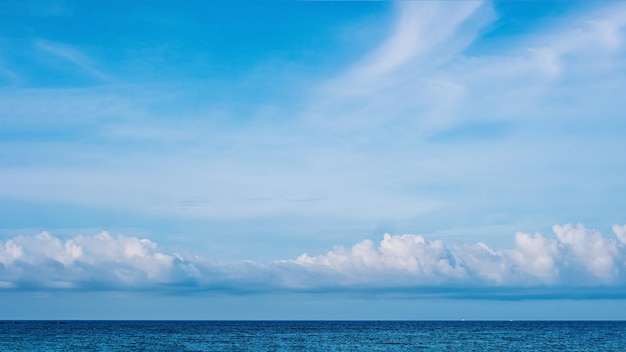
<point x="246" y="161"/>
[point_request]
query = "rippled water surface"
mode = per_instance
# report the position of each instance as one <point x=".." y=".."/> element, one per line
<point x="311" y="335"/>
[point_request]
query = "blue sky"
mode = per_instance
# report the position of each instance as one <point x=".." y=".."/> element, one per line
<point x="299" y="160"/>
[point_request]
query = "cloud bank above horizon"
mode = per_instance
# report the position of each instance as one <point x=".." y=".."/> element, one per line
<point x="576" y="262"/>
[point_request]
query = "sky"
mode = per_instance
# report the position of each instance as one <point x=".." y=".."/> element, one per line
<point x="312" y="160"/>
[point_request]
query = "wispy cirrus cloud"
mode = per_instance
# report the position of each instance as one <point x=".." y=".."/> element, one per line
<point x="424" y="81"/>
<point x="73" y="56"/>
<point x="8" y="75"/>
<point x="398" y="81"/>
<point x="420" y="30"/>
<point x="572" y="262"/>
<point x="423" y="128"/>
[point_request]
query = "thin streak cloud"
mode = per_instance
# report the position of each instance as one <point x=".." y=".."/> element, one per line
<point x="73" y="56"/>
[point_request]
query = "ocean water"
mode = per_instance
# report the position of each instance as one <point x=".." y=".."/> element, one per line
<point x="312" y="336"/>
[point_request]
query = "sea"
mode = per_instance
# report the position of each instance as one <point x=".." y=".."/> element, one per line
<point x="313" y="336"/>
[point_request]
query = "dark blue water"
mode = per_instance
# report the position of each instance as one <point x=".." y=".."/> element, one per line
<point x="311" y="336"/>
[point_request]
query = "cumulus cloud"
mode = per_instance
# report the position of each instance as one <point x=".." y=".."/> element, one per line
<point x="404" y="260"/>
<point x="575" y="258"/>
<point x="84" y="261"/>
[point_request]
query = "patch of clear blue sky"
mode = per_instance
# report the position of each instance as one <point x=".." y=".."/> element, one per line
<point x="520" y="17"/>
<point x="163" y="41"/>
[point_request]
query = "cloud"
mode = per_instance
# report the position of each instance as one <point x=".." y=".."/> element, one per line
<point x="597" y="256"/>
<point x="8" y="75"/>
<point x="363" y="137"/>
<point x="398" y="80"/>
<point x="360" y="143"/>
<point x="46" y="261"/>
<point x="404" y="260"/>
<point x="418" y="31"/>
<point x="424" y="79"/>
<point x="73" y="56"/>
<point x="575" y="259"/>
<point x="620" y="232"/>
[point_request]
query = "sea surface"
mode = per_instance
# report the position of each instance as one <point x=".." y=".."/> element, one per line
<point x="312" y="336"/>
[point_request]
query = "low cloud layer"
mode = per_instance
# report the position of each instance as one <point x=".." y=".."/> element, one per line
<point x="576" y="256"/>
<point x="574" y="261"/>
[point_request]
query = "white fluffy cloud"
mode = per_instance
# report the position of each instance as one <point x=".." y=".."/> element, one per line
<point x="44" y="260"/>
<point x="404" y="259"/>
<point x="578" y="256"/>
<point x="575" y="257"/>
